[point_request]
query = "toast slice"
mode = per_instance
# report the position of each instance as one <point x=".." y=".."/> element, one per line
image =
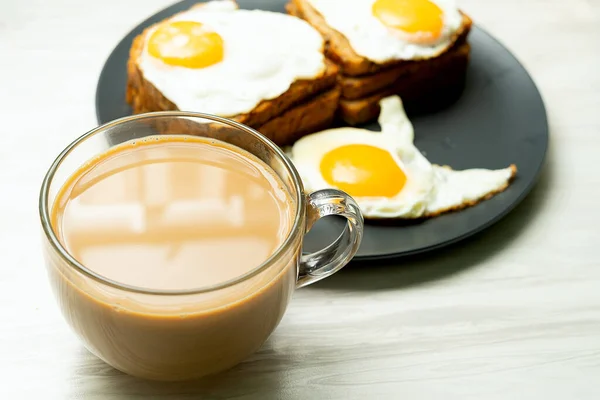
<point x="430" y="86"/>
<point x="312" y="115"/>
<point x="339" y="49"/>
<point x="315" y="114"/>
<point x="449" y="64"/>
<point x="282" y="119"/>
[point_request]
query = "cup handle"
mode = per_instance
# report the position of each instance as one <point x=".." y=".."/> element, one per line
<point x="318" y="265"/>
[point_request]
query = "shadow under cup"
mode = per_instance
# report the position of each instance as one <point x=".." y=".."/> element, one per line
<point x="186" y="334"/>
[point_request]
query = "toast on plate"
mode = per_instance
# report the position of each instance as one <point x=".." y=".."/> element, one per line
<point x="424" y="84"/>
<point x="307" y="104"/>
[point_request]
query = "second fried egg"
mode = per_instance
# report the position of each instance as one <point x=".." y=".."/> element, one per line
<point x="386" y="174"/>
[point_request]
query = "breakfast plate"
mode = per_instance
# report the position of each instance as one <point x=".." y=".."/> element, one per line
<point x="498" y="120"/>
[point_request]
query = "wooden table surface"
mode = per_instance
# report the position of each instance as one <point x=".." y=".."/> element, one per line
<point x="513" y="313"/>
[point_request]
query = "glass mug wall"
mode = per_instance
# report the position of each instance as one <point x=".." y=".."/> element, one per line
<point x="186" y="334"/>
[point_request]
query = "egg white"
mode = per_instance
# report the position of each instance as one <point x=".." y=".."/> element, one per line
<point x="308" y="152"/>
<point x="264" y="53"/>
<point x="371" y="39"/>
<point x="461" y="189"/>
<point x="429" y="189"/>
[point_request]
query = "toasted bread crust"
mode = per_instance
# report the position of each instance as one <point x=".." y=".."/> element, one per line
<point x="421" y="70"/>
<point x="436" y="84"/>
<point x="311" y="116"/>
<point x="314" y="114"/>
<point x="144" y="97"/>
<point x="339" y="49"/>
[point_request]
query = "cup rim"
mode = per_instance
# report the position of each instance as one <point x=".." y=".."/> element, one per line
<point x="44" y="208"/>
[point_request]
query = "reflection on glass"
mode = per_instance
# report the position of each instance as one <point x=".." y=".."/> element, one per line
<point x="175" y="210"/>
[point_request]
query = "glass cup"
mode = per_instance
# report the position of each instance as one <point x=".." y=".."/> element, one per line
<point x="186" y="334"/>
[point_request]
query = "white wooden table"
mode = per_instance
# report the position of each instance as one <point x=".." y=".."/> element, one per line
<point x="512" y="314"/>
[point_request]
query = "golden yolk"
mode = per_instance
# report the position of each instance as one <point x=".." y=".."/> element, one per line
<point x="421" y="20"/>
<point x="186" y="44"/>
<point x="363" y="171"/>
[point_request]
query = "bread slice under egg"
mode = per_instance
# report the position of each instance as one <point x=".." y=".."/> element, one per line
<point x="424" y="85"/>
<point x="307" y="106"/>
<point x="339" y="49"/>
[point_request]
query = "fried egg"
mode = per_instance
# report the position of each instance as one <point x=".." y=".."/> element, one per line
<point x="386" y="174"/>
<point x="217" y="59"/>
<point x="387" y="30"/>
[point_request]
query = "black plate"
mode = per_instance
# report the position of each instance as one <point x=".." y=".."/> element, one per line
<point x="500" y="119"/>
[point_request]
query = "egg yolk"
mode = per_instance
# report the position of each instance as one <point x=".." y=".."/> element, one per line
<point x="421" y="20"/>
<point x="363" y="171"/>
<point x="186" y="44"/>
